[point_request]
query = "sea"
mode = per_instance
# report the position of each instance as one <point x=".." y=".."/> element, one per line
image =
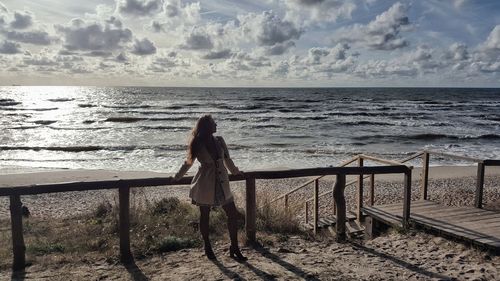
<point x="147" y="128"/>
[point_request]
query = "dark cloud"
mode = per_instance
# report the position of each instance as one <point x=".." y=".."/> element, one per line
<point x="143" y="47"/>
<point x="172" y="8"/>
<point x="316" y="54"/>
<point x="268" y="29"/>
<point x="121" y="58"/>
<point x="22" y="20"/>
<point x="457" y="52"/>
<point x="309" y="2"/>
<point x="279" y="48"/>
<point x="197" y="40"/>
<point x="214" y="55"/>
<point x="139" y="7"/>
<point x="383" y="33"/>
<point x="7" y="47"/>
<point x="157" y="26"/>
<point x="36" y="37"/>
<point x="83" y="36"/>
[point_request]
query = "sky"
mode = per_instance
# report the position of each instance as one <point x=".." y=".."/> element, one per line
<point x="251" y="43"/>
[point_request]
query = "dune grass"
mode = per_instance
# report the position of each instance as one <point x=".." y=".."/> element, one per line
<point x="156" y="228"/>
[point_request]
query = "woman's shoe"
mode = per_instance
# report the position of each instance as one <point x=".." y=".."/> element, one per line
<point x="234" y="252"/>
<point x="210" y="253"/>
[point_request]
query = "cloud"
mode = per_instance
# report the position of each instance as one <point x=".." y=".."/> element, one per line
<point x="457" y="52"/>
<point x="139" y="7"/>
<point x="487" y="57"/>
<point x="166" y="62"/>
<point x="94" y="36"/>
<point x="383" y="33"/>
<point x="143" y="47"/>
<point x="492" y="43"/>
<point x="36" y="37"/>
<point x="318" y="55"/>
<point x="279" y="48"/>
<point x="214" y="55"/>
<point x="197" y="39"/>
<point x="22" y="20"/>
<point x="318" y="11"/>
<point x="177" y="16"/>
<point x="267" y="29"/>
<point x="7" y="47"/>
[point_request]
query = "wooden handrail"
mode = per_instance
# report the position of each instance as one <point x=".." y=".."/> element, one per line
<point x="284" y="195"/>
<point x="124" y="185"/>
<point x="365" y="177"/>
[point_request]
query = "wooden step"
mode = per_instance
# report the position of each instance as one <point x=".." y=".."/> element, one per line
<point x="353" y="228"/>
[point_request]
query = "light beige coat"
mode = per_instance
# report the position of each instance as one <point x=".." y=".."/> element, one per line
<point x="203" y="183"/>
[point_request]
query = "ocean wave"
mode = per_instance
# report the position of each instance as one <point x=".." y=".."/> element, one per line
<point x="79" y="128"/>
<point x="86" y="105"/>
<point x="174" y="128"/>
<point x="44" y="122"/>
<point x="427" y="137"/>
<point x="9" y="102"/>
<point x="29" y="109"/>
<point x="124" y="119"/>
<point x="365" y="123"/>
<point x="22" y="127"/>
<point x="61" y="99"/>
<point x="127" y="106"/>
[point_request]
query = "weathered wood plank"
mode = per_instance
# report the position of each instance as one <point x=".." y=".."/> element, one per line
<point x="124" y="200"/>
<point x="18" y="246"/>
<point x="250" y="211"/>
<point x="338" y="196"/>
<point x="359" y="194"/>
<point x="478" y="226"/>
<point x="425" y="176"/>
<point x="478" y="200"/>
<point x="316" y="206"/>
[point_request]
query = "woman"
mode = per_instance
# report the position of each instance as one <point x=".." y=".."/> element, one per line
<point x="210" y="185"/>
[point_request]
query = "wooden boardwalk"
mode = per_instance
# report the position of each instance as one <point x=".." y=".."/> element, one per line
<point x="478" y="226"/>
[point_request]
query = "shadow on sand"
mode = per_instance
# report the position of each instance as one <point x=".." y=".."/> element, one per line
<point x="402" y="263"/>
<point x="18" y="275"/>
<point x="288" y="266"/>
<point x="135" y="272"/>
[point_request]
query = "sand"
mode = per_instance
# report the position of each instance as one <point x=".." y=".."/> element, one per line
<point x="413" y="256"/>
<point x="393" y="256"/>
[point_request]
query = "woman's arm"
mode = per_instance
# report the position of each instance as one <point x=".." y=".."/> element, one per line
<point x="228" y="162"/>
<point x="183" y="170"/>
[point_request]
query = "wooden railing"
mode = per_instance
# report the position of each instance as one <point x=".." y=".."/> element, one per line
<point x="481" y="165"/>
<point x="360" y="160"/>
<point x="124" y="185"/>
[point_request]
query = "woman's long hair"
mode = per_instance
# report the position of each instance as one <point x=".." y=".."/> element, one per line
<point x="200" y="133"/>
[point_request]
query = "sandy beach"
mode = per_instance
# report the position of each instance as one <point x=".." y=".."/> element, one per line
<point x="393" y="256"/>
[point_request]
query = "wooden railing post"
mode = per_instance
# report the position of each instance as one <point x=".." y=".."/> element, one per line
<point x="425" y="175"/>
<point x="359" y="213"/>
<point x="307" y="212"/>
<point x="372" y="189"/>
<point x="286" y="202"/>
<point x="124" y="199"/>
<point x="16" y="220"/>
<point x="250" y="211"/>
<point x="479" y="186"/>
<point x="338" y="197"/>
<point x="316" y="205"/>
<point x="407" y="199"/>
